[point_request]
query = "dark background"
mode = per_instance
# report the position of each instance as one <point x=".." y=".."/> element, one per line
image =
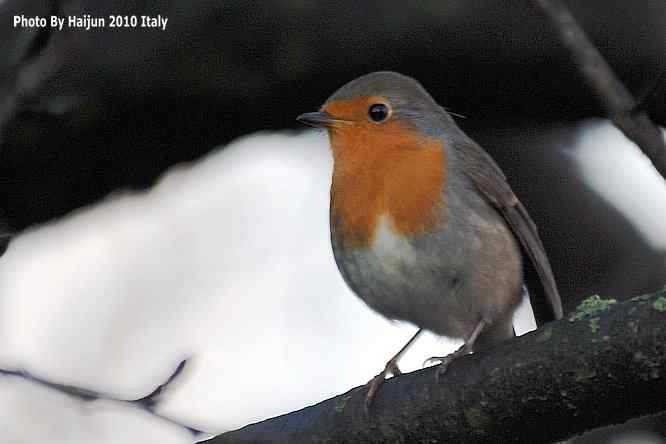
<point x="83" y="113"/>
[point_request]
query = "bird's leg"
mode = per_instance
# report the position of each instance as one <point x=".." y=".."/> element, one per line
<point x="390" y="368"/>
<point x="465" y="349"/>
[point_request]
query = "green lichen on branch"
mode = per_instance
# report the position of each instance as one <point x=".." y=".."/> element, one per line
<point x="642" y="297"/>
<point x="594" y="324"/>
<point x="341" y="403"/>
<point x="476" y="418"/>
<point x="591" y="306"/>
<point x="660" y="304"/>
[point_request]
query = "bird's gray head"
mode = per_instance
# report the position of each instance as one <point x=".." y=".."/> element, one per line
<point x="382" y="97"/>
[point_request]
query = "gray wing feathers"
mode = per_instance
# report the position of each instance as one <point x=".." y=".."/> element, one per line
<point x="490" y="180"/>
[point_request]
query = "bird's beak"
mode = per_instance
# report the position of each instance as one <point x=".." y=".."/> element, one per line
<point x="318" y="119"/>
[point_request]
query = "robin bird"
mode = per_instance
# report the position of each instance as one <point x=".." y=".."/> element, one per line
<point x="424" y="226"/>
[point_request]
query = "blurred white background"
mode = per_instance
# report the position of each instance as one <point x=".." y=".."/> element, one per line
<point x="225" y="262"/>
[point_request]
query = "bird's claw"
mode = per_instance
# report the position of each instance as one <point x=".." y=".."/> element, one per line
<point x="375" y="383"/>
<point x="443" y="366"/>
<point x="392" y="368"/>
<point x="444" y="362"/>
<point x="373" y="386"/>
<point x="432" y="360"/>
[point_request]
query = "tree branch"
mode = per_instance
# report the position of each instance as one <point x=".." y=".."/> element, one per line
<point x="616" y="98"/>
<point x="604" y="365"/>
<point x="651" y="94"/>
<point x="147" y="403"/>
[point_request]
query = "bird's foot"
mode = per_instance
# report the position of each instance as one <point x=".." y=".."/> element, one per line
<point x="445" y="361"/>
<point x="375" y="383"/>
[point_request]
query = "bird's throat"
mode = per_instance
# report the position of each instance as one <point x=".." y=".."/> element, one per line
<point x="396" y="173"/>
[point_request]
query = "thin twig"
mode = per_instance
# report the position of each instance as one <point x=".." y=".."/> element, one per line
<point x="147" y="403"/>
<point x="651" y="94"/>
<point x="38" y="63"/>
<point x="616" y="98"/>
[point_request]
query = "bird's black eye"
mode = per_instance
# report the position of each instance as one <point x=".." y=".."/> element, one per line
<point x="378" y="112"/>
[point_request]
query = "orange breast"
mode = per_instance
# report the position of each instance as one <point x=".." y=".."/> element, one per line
<point x="384" y="169"/>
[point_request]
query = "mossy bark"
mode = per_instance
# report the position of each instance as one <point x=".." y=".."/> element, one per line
<point x="587" y="371"/>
